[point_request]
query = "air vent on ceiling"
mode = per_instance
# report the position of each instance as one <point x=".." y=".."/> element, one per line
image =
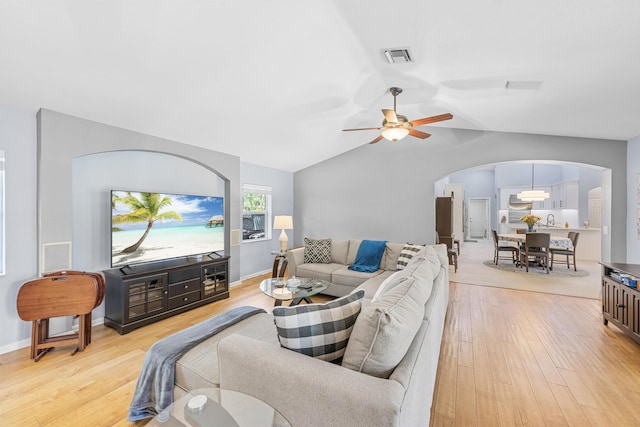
<point x="523" y="84"/>
<point x="398" y="55"/>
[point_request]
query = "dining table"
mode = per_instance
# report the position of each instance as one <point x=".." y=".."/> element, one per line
<point x="555" y="241"/>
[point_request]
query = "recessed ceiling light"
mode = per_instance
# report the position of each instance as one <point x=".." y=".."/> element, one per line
<point x="398" y="55"/>
<point x="523" y="84"/>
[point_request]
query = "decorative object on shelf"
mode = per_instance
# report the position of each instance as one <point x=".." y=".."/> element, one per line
<point x="503" y="220"/>
<point x="530" y="220"/>
<point x="283" y="222"/>
<point x="566" y="225"/>
<point x="533" y="195"/>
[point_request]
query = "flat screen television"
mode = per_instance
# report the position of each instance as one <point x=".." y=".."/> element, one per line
<point x="148" y="227"/>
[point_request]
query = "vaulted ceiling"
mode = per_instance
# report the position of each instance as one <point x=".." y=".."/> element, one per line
<point x="275" y="82"/>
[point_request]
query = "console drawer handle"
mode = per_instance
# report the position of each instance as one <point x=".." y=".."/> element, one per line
<point x="620" y="306"/>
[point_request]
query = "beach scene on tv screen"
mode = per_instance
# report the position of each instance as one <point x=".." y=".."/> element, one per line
<point x="149" y="227"/>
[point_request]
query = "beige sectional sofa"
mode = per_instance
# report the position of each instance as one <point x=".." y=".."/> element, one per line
<point x="343" y="254"/>
<point x="247" y="357"/>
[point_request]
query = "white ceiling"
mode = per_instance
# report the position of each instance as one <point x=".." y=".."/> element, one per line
<point x="274" y="82"/>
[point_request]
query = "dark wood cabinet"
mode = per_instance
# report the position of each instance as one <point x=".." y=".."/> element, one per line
<point x="620" y="302"/>
<point x="137" y="296"/>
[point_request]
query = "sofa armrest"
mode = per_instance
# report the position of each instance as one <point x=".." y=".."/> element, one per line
<point x="295" y="257"/>
<point x="307" y="391"/>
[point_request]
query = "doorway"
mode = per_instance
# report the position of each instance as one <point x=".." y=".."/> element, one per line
<point x="478" y="218"/>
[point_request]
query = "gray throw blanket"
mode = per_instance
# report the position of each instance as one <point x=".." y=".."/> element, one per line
<point x="154" y="391"/>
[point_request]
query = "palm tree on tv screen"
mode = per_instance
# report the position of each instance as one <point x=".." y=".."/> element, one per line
<point x="146" y="209"/>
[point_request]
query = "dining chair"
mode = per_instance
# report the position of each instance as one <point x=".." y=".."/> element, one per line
<point x="536" y="246"/>
<point x="451" y="253"/>
<point x="573" y="236"/>
<point x="497" y="248"/>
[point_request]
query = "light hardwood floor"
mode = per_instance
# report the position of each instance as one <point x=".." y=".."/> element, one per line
<point x="508" y="358"/>
<point x="512" y="358"/>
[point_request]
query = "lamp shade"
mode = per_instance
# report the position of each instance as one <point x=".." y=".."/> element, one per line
<point x="395" y="134"/>
<point x="283" y="222"/>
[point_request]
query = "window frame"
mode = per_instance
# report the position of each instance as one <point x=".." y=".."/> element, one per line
<point x="267" y="212"/>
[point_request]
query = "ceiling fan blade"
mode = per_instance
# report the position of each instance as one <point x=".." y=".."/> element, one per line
<point x="419" y="134"/>
<point x="433" y="119"/>
<point x="390" y="116"/>
<point x="348" y="130"/>
<point x="377" y="139"/>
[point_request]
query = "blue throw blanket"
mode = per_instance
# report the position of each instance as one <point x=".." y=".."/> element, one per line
<point x="154" y="391"/>
<point x="369" y="256"/>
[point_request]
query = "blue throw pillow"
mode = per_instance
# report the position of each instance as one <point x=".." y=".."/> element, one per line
<point x="369" y="255"/>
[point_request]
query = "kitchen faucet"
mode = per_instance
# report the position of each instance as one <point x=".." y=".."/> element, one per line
<point x="553" y="220"/>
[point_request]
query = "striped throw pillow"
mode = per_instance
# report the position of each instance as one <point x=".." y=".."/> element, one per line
<point x="408" y="252"/>
<point x="319" y="330"/>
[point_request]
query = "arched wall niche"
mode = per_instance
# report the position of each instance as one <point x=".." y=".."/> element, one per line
<point x="95" y="175"/>
<point x="63" y="138"/>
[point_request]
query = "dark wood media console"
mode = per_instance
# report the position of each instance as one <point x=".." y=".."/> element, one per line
<point x="620" y="302"/>
<point x="137" y="296"/>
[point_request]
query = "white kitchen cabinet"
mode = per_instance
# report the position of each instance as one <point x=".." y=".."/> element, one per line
<point x="544" y="204"/>
<point x="565" y="195"/>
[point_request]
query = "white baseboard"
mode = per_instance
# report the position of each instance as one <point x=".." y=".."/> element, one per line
<point x="251" y="276"/>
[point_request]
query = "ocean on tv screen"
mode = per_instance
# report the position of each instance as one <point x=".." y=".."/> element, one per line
<point x="175" y="226"/>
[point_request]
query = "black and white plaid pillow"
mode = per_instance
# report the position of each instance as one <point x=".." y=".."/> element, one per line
<point x="317" y="251"/>
<point x="408" y="252"/>
<point x="319" y="330"/>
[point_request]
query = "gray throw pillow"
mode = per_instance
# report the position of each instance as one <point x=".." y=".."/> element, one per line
<point x="386" y="328"/>
<point x="317" y="251"/>
<point x="319" y="330"/>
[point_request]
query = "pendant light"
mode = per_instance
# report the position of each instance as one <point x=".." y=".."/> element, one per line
<point x="533" y="195"/>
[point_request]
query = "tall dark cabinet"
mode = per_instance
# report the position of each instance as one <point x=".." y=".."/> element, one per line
<point x="144" y="294"/>
<point x="444" y="220"/>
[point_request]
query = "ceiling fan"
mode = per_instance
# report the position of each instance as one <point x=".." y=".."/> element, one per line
<point x="396" y="126"/>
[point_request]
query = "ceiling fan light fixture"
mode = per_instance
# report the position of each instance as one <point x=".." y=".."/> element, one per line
<point x="395" y="133"/>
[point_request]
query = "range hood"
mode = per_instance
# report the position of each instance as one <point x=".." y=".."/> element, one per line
<point x="517" y="209"/>
<point x="519" y="205"/>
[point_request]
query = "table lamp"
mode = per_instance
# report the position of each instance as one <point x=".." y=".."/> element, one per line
<point x="283" y="222"/>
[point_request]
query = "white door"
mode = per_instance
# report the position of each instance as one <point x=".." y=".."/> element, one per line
<point x="478" y="218"/>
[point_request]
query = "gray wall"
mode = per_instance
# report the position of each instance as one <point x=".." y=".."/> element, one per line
<point x="256" y="255"/>
<point x="386" y="191"/>
<point x="18" y="139"/>
<point x="63" y="138"/>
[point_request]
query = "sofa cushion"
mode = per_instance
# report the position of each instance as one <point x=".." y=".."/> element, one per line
<point x="318" y="271"/>
<point x="386" y="327"/>
<point x="354" y="245"/>
<point x="371" y="285"/>
<point x="345" y="276"/>
<point x="391" y="256"/>
<point x="317" y="251"/>
<point x="198" y="368"/>
<point x="339" y="250"/>
<point x="408" y="251"/>
<point x="319" y="330"/>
